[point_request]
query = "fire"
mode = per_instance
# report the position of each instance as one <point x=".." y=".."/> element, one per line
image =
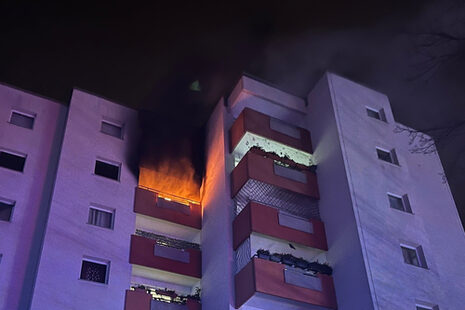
<point x="173" y="179"/>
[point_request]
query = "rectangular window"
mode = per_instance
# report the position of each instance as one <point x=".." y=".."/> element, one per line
<point x="22" y="119"/>
<point x="94" y="270"/>
<point x="377" y="114"/>
<point x="6" y="209"/>
<point x="426" y="307"/>
<point x="12" y="161"/>
<point x="112" y="129"/>
<point x="107" y="170"/>
<point x="399" y="202"/>
<point x="413" y="255"/>
<point x="387" y="156"/>
<point x="100" y="217"/>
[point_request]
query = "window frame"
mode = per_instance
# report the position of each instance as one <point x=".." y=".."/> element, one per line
<point x="13" y="205"/>
<point x="99" y="261"/>
<point x="420" y="256"/>
<point x="109" y="162"/>
<point x="380" y="112"/>
<point x="392" y="155"/>
<point x="406" y="206"/>
<point x="115" y="124"/>
<point x="18" y="154"/>
<point x="102" y="209"/>
<point x="26" y="114"/>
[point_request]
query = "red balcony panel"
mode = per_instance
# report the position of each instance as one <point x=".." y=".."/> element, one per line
<point x="137" y="300"/>
<point x="142" y="253"/>
<point x="146" y="203"/>
<point x="262" y="276"/>
<point x="262" y="219"/>
<point x="254" y="166"/>
<point x="259" y="123"/>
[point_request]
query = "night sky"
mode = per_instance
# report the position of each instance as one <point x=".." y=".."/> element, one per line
<point x="146" y="55"/>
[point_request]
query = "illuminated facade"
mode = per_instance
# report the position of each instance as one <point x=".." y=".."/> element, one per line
<point x="305" y="204"/>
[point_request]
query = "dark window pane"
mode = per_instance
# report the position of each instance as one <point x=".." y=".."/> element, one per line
<point x="383" y="155"/>
<point x="5" y="210"/>
<point x="374" y="114"/>
<point x="95" y="272"/>
<point x="112" y="130"/>
<point x="22" y="120"/>
<point x="100" y="218"/>
<point x="12" y="161"/>
<point x="411" y="256"/>
<point x="396" y="203"/>
<point x="106" y="170"/>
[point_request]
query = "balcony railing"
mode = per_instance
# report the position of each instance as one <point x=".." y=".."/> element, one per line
<point x="264" y="180"/>
<point x="159" y="254"/>
<point x="271" y="285"/>
<point x="270" y="221"/>
<point x="150" y="203"/>
<point x="265" y="126"/>
<point x="140" y="299"/>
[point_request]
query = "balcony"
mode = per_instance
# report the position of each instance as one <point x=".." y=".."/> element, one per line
<point x="160" y="253"/>
<point x="150" y="203"/>
<point x="261" y="178"/>
<point x="268" y="285"/>
<point x="269" y="221"/>
<point x="140" y="299"/>
<point x="253" y="128"/>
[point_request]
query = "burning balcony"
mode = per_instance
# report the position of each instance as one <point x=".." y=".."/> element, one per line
<point x="272" y="180"/>
<point x="253" y="128"/>
<point x="258" y="218"/>
<point x="156" y="205"/>
<point x="269" y="285"/>
<point x="166" y="254"/>
<point x="147" y="298"/>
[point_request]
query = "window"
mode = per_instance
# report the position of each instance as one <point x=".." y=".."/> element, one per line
<point x="387" y="156"/>
<point x="377" y="114"/>
<point x="107" y="170"/>
<point x="94" y="270"/>
<point x="399" y="202"/>
<point x="12" y="161"/>
<point x="426" y="306"/>
<point x="6" y="209"/>
<point x="100" y="217"/>
<point x="413" y="255"/>
<point x="112" y="129"/>
<point x="22" y="119"/>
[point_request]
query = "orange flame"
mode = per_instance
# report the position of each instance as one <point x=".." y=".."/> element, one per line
<point x="173" y="179"/>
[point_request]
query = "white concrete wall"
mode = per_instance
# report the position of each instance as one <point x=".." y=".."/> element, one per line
<point x="68" y="236"/>
<point x="216" y="236"/>
<point x="30" y="188"/>
<point x="336" y="211"/>
<point x="434" y="223"/>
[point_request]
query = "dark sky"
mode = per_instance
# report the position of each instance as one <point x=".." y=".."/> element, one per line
<point x="146" y="55"/>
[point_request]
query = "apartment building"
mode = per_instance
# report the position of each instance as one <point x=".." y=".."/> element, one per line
<point x="308" y="203"/>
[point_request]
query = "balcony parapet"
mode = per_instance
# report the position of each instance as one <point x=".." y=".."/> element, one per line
<point x="160" y="254"/>
<point x="141" y="299"/>
<point x="270" y="284"/>
<point x="150" y="203"/>
<point x="270" y="221"/>
<point x="263" y="125"/>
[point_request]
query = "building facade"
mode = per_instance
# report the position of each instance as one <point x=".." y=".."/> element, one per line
<point x="308" y="203"/>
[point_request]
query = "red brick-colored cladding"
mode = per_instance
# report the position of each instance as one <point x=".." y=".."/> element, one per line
<point x="254" y="166"/>
<point x="259" y="123"/>
<point x="137" y="300"/>
<point x="145" y="202"/>
<point x="142" y="253"/>
<point x="256" y="217"/>
<point x="268" y="277"/>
